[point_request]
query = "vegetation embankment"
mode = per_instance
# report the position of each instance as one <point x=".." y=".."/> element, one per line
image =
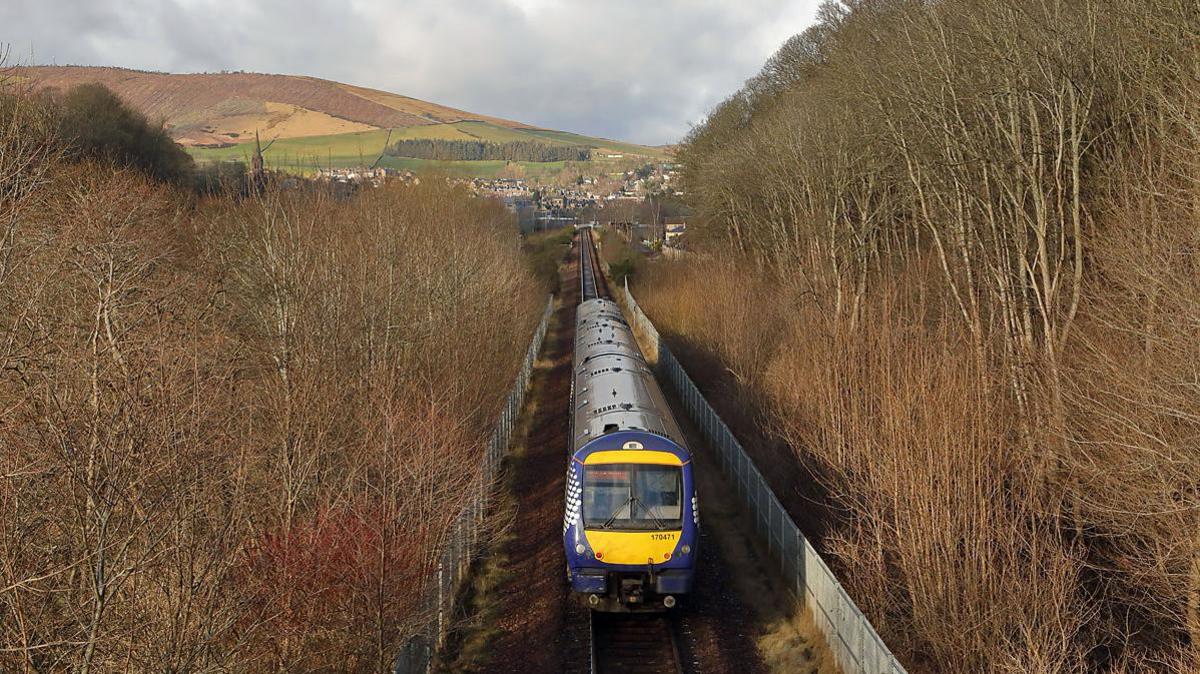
<point x="544" y="252"/>
<point x="950" y="251"/>
<point x="234" y="431"/>
<point x="518" y="617"/>
<point x="623" y="261"/>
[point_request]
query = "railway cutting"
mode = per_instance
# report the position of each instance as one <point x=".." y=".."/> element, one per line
<point x="526" y="619"/>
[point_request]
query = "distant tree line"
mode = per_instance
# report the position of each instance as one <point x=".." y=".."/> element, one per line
<point x="478" y="150"/>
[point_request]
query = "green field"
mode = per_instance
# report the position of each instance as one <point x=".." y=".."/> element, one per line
<point x="306" y="155"/>
<point x="492" y="133"/>
<point x="343" y="149"/>
<point x="431" y="131"/>
<point x="576" y="139"/>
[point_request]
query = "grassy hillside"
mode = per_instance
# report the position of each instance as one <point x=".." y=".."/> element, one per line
<point x="615" y="147"/>
<point x="343" y="149"/>
<point x="204" y="108"/>
<point x="313" y="122"/>
<point x="304" y="155"/>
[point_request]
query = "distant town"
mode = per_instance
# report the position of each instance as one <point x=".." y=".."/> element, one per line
<point x="643" y="201"/>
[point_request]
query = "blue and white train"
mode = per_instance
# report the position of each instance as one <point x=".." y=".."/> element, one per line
<point x="631" y="524"/>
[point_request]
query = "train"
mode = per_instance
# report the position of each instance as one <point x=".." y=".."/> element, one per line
<point x="631" y="520"/>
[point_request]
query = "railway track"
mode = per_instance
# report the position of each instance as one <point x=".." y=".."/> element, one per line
<point x="637" y="643"/>
<point x="592" y="284"/>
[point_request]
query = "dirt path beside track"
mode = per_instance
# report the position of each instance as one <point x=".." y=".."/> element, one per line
<point x="744" y="622"/>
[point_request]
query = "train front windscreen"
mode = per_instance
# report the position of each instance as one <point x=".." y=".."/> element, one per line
<point x="632" y="497"/>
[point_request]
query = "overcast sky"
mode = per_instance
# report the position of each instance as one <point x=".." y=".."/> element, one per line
<point x="638" y="70"/>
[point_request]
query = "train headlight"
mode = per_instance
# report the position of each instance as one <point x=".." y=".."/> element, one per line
<point x="580" y="549"/>
<point x="685" y="549"/>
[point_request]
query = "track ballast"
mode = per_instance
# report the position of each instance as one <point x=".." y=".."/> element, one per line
<point x="637" y="643"/>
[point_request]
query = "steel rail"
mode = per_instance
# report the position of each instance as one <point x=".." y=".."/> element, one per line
<point x="589" y="282"/>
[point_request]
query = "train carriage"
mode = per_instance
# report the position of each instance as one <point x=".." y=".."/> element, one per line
<point x="631" y="522"/>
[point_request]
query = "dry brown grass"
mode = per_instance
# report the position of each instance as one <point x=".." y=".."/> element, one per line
<point x="274" y="120"/>
<point x="794" y="645"/>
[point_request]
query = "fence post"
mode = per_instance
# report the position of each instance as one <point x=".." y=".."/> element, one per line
<point x="440" y="590"/>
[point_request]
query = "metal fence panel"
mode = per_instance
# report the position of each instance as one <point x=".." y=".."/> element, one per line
<point x="855" y="643"/>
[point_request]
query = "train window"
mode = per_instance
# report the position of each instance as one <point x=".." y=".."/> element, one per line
<point x="632" y="497"/>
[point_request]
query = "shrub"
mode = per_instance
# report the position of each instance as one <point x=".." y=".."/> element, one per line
<point x="98" y="125"/>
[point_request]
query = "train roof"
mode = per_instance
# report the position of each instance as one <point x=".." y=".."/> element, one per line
<point x="596" y="309"/>
<point x="613" y="385"/>
<point x="632" y="441"/>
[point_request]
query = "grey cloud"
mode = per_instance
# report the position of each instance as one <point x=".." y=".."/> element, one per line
<point x="639" y="70"/>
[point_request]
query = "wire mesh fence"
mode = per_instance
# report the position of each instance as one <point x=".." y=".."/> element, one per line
<point x="856" y="645"/>
<point x="462" y="541"/>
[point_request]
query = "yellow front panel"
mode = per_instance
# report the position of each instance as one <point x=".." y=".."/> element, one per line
<point x="633" y="456"/>
<point x="632" y="547"/>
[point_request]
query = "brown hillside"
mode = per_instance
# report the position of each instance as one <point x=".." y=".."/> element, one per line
<point x="214" y="108"/>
